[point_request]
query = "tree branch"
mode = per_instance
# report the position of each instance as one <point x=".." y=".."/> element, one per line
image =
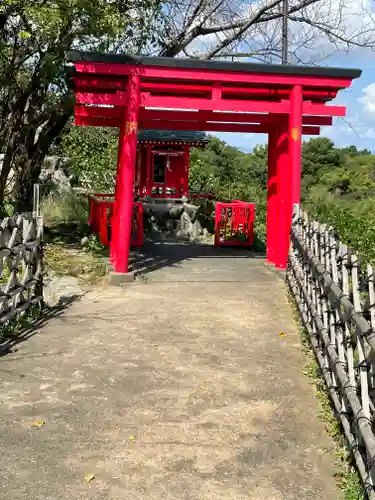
<point x="253" y="19"/>
<point x="186" y="36"/>
<point x="329" y="32"/>
<point x="240" y="23"/>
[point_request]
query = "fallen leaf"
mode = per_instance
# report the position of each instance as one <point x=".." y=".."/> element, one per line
<point x="203" y="387"/>
<point x="89" y="477"/>
<point x="39" y="423"/>
<point x="282" y="335"/>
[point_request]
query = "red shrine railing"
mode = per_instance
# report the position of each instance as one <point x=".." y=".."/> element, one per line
<point x="234" y="223"/>
<point x="100" y="213"/>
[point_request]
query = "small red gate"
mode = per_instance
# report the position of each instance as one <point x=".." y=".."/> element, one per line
<point x="234" y="223"/>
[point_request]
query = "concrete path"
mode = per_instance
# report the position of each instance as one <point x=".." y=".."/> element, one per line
<point x="178" y="387"/>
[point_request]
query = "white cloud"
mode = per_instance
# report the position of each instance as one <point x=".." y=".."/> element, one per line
<point x="370" y="133"/>
<point x="368" y="100"/>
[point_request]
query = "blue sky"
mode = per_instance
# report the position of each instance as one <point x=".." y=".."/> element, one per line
<point x="358" y="127"/>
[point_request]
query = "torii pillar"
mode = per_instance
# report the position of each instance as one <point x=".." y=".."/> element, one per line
<point x="122" y="219"/>
<point x="284" y="180"/>
<point x="295" y="141"/>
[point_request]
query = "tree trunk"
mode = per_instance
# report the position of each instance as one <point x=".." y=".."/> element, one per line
<point x="4" y="175"/>
<point x="26" y="176"/>
<point x="28" y="167"/>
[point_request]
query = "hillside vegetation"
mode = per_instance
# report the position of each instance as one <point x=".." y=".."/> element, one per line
<point x="338" y="184"/>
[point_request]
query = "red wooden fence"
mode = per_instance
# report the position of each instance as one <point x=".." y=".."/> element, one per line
<point x="100" y="213"/>
<point x="234" y="223"/>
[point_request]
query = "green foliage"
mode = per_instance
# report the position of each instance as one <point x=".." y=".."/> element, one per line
<point x="230" y="174"/>
<point x="340" y="190"/>
<point x="350" y="484"/>
<point x="92" y="150"/>
<point x="36" y="102"/>
<point x="24" y="320"/>
<point x="93" y="244"/>
<point x="318" y="156"/>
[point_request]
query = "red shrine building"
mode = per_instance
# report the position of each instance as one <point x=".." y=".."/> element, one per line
<point x="162" y="163"/>
<point x="136" y="93"/>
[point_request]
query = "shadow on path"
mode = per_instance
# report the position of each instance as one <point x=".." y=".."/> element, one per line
<point x="7" y="344"/>
<point x="169" y="253"/>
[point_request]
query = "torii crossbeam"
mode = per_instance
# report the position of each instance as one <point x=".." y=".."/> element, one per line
<point x="285" y="102"/>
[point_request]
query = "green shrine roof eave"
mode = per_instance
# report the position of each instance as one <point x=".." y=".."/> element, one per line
<point x="213" y="65"/>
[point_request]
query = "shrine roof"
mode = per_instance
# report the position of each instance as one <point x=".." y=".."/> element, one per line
<point x="170" y="136"/>
<point x="190" y="95"/>
<point x="213" y="65"/>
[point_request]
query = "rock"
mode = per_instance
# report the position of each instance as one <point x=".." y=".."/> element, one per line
<point x="55" y="174"/>
<point x="176" y="212"/>
<point x="196" y="230"/>
<point x="58" y="290"/>
<point x="169" y="224"/>
<point x="191" y="210"/>
<point x="185" y="224"/>
<point x="179" y="221"/>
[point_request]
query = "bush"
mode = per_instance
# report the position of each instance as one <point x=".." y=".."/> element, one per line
<point x="64" y="207"/>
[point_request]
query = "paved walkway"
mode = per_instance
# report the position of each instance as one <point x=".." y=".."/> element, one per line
<point x="178" y="387"/>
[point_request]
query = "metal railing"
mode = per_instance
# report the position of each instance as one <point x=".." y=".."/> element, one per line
<point x="335" y="295"/>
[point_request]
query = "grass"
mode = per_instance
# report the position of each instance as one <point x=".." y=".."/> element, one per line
<point x="64" y="208"/>
<point x="84" y="264"/>
<point x="19" y="322"/>
<point x="70" y="247"/>
<point x="347" y="476"/>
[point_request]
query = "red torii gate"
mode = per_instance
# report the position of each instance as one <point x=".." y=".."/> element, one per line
<point x="132" y="92"/>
